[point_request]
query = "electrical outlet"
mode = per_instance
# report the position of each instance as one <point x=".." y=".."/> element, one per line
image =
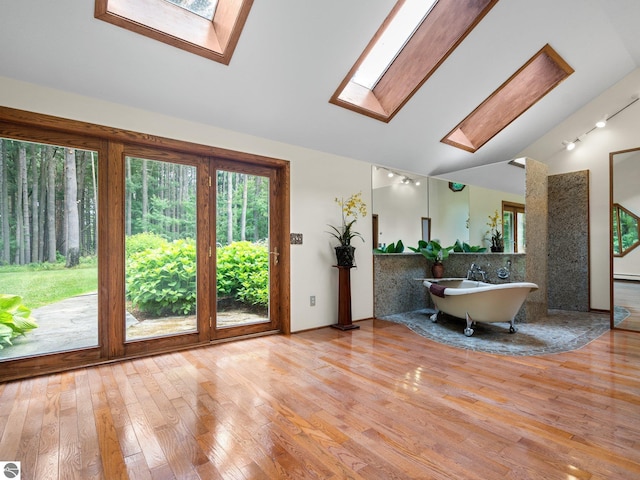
<point x="312" y="301"/>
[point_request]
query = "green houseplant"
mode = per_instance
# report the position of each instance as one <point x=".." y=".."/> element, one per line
<point x="495" y="233"/>
<point x="351" y="208"/>
<point x="436" y="253"/>
<point x="15" y="318"/>
<point x="464" y="247"/>
<point x="397" y="247"/>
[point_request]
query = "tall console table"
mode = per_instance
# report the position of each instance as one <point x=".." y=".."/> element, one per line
<point x="344" y="299"/>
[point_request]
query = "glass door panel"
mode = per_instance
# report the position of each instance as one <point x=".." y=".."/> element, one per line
<point x="243" y="253"/>
<point x="160" y="248"/>
<point x="48" y="248"/>
<point x="521" y="223"/>
<point x="513" y="223"/>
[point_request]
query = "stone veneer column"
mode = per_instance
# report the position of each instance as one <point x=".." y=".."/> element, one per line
<point x="536" y="210"/>
<point x="569" y="241"/>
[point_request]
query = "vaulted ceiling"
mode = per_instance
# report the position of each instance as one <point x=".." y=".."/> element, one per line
<point x="292" y="55"/>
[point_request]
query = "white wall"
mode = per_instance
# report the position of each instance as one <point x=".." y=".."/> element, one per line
<point x="316" y="179"/>
<point x="621" y="133"/>
<point x="449" y="212"/>
<point x="482" y="203"/>
<point x="626" y="192"/>
<point x="400" y="209"/>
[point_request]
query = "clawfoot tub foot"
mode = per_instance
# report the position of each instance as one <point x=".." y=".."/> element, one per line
<point x="512" y="328"/>
<point x="434" y="317"/>
<point x="469" y="331"/>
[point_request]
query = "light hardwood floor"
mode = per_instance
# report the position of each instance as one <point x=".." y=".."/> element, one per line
<point x="376" y="403"/>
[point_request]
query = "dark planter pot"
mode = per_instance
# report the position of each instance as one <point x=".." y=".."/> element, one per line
<point x="437" y="270"/>
<point x="497" y="249"/>
<point x="345" y="255"/>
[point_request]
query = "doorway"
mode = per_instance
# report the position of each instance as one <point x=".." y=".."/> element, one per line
<point x="201" y="259"/>
<point x="150" y="233"/>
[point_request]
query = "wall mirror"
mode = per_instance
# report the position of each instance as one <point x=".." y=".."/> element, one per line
<point x="625" y="257"/>
<point x="401" y="201"/>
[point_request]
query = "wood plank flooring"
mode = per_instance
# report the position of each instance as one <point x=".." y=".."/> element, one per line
<point x="376" y="403"/>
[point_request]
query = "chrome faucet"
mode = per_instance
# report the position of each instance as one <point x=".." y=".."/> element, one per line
<point x="474" y="271"/>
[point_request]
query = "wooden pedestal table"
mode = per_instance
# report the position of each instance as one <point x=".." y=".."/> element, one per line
<point x="344" y="299"/>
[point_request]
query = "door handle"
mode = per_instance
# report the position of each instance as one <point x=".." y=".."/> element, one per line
<point x="275" y="255"/>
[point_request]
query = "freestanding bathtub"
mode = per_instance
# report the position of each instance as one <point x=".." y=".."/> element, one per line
<point x="478" y="301"/>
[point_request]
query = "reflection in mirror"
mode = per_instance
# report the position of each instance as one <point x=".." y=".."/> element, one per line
<point x="399" y="201"/>
<point x="625" y="275"/>
<point x="402" y="200"/>
<point x="625" y="231"/>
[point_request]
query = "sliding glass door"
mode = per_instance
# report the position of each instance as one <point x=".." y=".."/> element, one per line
<point x="48" y="249"/>
<point x="198" y="258"/>
<point x="244" y="252"/>
<point x="160" y="248"/>
<point x="116" y="244"/>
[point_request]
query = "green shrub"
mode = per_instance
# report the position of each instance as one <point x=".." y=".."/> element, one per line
<point x="162" y="280"/>
<point x="243" y="272"/>
<point x="15" y="318"/>
<point x="143" y="241"/>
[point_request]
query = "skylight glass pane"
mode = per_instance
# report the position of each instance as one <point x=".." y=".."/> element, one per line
<point x="391" y="42"/>
<point x="204" y="8"/>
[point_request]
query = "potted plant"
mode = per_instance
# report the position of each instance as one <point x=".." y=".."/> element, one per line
<point x="495" y="235"/>
<point x="351" y="209"/>
<point x="464" y="247"/>
<point x="436" y="253"/>
<point x="397" y="247"/>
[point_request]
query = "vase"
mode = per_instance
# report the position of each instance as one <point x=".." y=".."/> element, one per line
<point x="437" y="270"/>
<point x="345" y="255"/>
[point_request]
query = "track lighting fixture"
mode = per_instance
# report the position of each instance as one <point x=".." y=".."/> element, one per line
<point x="404" y="179"/>
<point x="599" y="124"/>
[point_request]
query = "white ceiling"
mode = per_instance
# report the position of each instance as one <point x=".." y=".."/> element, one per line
<point x="293" y="54"/>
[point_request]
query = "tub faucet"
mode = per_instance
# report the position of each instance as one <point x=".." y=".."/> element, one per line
<point x="474" y="271"/>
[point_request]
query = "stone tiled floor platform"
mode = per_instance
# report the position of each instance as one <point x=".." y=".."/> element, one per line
<point x="559" y="331"/>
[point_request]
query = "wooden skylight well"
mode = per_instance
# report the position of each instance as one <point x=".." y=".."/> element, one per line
<point x="441" y="27"/>
<point x="541" y="74"/>
<point x="174" y="25"/>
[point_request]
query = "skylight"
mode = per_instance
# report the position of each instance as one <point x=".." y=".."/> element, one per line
<point x="210" y="28"/>
<point x="204" y="8"/>
<point x="541" y="74"/>
<point x="412" y="42"/>
<point x="392" y="41"/>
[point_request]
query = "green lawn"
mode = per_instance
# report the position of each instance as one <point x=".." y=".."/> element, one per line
<point x="42" y="287"/>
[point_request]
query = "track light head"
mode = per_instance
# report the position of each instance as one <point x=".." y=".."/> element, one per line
<point x="602" y="122"/>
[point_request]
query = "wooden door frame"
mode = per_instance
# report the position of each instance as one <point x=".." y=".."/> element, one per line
<point x="110" y="143"/>
<point x="278" y="238"/>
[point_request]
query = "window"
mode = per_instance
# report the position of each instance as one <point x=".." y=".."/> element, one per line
<point x="411" y="44"/>
<point x="541" y="74"/>
<point x="204" y="8"/>
<point x="626" y="230"/>
<point x="513" y="227"/>
<point x="113" y="244"/>
<point x="169" y="22"/>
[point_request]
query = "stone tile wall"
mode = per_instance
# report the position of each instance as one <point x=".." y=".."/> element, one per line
<point x="398" y="290"/>
<point x="568" y="222"/>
